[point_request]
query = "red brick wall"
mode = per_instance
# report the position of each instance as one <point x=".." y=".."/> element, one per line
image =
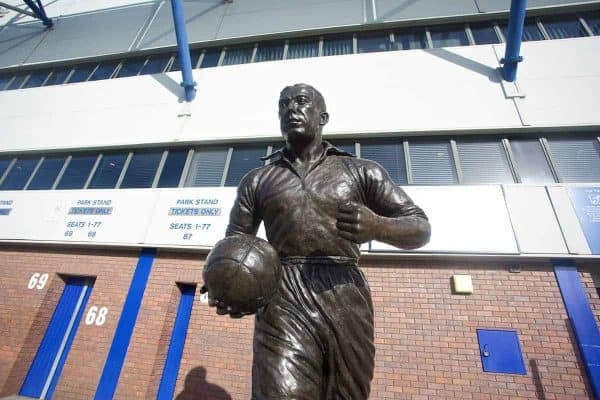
<point x="24" y="314"/>
<point x="425" y="335"/>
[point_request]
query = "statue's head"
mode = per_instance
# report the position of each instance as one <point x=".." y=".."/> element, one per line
<point x="302" y="114"/>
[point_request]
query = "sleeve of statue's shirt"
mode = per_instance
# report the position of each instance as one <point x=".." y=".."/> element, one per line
<point x="244" y="218"/>
<point x="382" y="194"/>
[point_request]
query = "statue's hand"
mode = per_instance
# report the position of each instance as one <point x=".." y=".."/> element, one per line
<point x="356" y="222"/>
<point x="222" y="308"/>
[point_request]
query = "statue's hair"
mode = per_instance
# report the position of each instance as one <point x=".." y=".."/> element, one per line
<point x="318" y="96"/>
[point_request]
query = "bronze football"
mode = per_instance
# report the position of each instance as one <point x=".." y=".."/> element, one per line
<point x="242" y="272"/>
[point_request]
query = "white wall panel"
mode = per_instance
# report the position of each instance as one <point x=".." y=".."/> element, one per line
<point x="469" y="219"/>
<point x="569" y="223"/>
<point x="441" y="89"/>
<point x="565" y="90"/>
<point x="113" y="112"/>
<point x="533" y="220"/>
<point x="452" y="89"/>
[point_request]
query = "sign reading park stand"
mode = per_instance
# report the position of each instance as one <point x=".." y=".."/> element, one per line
<point x="586" y="202"/>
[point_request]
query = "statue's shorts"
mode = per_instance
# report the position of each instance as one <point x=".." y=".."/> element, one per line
<point x="314" y="340"/>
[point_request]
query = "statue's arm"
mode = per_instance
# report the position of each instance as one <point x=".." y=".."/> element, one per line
<point x="389" y="215"/>
<point x="244" y="217"/>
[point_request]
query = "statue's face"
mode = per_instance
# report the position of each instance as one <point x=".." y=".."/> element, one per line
<point x="301" y="114"/>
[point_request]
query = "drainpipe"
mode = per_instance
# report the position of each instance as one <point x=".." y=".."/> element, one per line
<point x="512" y="58"/>
<point x="183" y="49"/>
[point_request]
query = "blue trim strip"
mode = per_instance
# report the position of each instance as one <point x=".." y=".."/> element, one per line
<point x="118" y="349"/>
<point x="582" y="320"/>
<point x="166" y="389"/>
<point x="41" y="366"/>
<point x="65" y="353"/>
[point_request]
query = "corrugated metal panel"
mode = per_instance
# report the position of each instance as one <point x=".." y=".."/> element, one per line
<point x="577" y="160"/>
<point x="484" y="161"/>
<point x="207" y="167"/>
<point x="431" y="163"/>
<point x="92" y="34"/>
<point x="390" y="155"/>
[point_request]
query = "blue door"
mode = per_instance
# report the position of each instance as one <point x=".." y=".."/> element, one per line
<point x="52" y="353"/>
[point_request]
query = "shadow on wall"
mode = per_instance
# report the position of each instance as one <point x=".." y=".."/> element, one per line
<point x="537" y="380"/>
<point x="197" y="388"/>
<point x="580" y="362"/>
<point x="33" y="337"/>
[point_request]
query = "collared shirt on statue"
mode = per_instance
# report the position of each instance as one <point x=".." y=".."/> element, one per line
<point x="299" y="213"/>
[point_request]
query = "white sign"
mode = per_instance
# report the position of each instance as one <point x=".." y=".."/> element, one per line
<point x="191" y="216"/>
<point x="464" y="219"/>
<point x="102" y="216"/>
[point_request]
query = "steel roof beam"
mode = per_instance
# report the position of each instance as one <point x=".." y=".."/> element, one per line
<point x="38" y="10"/>
<point x="183" y="49"/>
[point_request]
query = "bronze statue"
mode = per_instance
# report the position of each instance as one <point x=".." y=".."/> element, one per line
<point x="314" y="339"/>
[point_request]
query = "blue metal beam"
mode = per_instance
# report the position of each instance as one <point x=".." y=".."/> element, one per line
<point x="38" y="10"/>
<point x="183" y="49"/>
<point x="512" y="56"/>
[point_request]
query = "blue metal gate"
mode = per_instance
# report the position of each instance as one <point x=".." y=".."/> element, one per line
<point x="47" y="365"/>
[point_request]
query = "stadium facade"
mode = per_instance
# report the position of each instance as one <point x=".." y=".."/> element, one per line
<point x="113" y="188"/>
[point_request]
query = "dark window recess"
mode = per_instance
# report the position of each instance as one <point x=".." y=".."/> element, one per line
<point x="4" y="163"/>
<point x="346" y="146"/>
<point x="447" y="36"/>
<point x="47" y="173"/>
<point x="531" y="31"/>
<point x="336" y="46"/>
<point x="58" y="76"/>
<point x="131" y="67"/>
<point x="484" y="161"/>
<point x="531" y="163"/>
<point x="4" y="79"/>
<point x="176" y="64"/>
<point x="36" y="79"/>
<point x="373" y="42"/>
<point x="303" y="49"/>
<point x="81" y="73"/>
<point x="593" y="21"/>
<point x="390" y="155"/>
<point x="19" y="174"/>
<point x="156" y="65"/>
<point x="171" y="172"/>
<point x="207" y="167"/>
<point x="431" y="163"/>
<point x="141" y="170"/>
<point x="17" y="82"/>
<point x="563" y="27"/>
<point x="211" y="58"/>
<point x="108" y="171"/>
<point x="269" y="52"/>
<point x="104" y="71"/>
<point x="77" y="172"/>
<point x="237" y="55"/>
<point x="243" y="160"/>
<point x="576" y="159"/>
<point x="484" y="33"/>
<point x="410" y="39"/>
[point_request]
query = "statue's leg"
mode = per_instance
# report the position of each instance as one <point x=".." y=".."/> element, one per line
<point x="348" y="332"/>
<point x="288" y="357"/>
